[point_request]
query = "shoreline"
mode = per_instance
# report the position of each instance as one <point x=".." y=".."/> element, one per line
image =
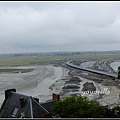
<point x="48" y="79"/>
<point x="32" y="83"/>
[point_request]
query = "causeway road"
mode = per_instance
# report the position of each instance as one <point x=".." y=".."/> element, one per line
<point x="70" y="64"/>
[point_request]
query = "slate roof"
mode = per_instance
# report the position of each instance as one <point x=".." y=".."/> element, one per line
<point x="18" y="105"/>
<point x="48" y="105"/>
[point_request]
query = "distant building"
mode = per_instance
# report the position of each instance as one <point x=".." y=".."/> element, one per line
<point x="18" y="105"/>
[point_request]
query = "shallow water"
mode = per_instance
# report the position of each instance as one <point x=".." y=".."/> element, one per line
<point x="115" y="65"/>
<point x="32" y="83"/>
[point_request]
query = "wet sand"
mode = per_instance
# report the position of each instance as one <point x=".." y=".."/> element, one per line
<point x="35" y="83"/>
<point x="47" y="79"/>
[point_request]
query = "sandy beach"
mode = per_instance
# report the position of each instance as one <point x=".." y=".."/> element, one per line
<point x="35" y="83"/>
<point x="47" y="79"/>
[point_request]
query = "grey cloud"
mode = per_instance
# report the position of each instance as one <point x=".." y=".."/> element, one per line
<point x="54" y="26"/>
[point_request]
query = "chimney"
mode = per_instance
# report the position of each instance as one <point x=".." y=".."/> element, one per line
<point x="21" y="100"/>
<point x="7" y="92"/>
<point x="55" y="96"/>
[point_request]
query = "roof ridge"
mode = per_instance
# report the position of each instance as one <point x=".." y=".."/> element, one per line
<point x="40" y="105"/>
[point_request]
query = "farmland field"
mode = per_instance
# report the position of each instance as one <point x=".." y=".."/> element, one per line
<point x="56" y="59"/>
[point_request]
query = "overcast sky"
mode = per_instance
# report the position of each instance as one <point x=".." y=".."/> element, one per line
<point x="59" y="26"/>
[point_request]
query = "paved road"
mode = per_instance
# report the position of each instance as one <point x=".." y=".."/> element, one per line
<point x="69" y="63"/>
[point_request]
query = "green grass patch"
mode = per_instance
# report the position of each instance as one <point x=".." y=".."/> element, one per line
<point x="56" y="60"/>
<point x="15" y="70"/>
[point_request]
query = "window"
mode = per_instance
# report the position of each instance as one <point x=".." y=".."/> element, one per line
<point x="15" y="112"/>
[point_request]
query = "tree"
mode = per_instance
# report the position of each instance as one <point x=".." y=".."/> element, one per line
<point x="119" y="68"/>
<point x="116" y="111"/>
<point x="78" y="107"/>
<point x="118" y="72"/>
